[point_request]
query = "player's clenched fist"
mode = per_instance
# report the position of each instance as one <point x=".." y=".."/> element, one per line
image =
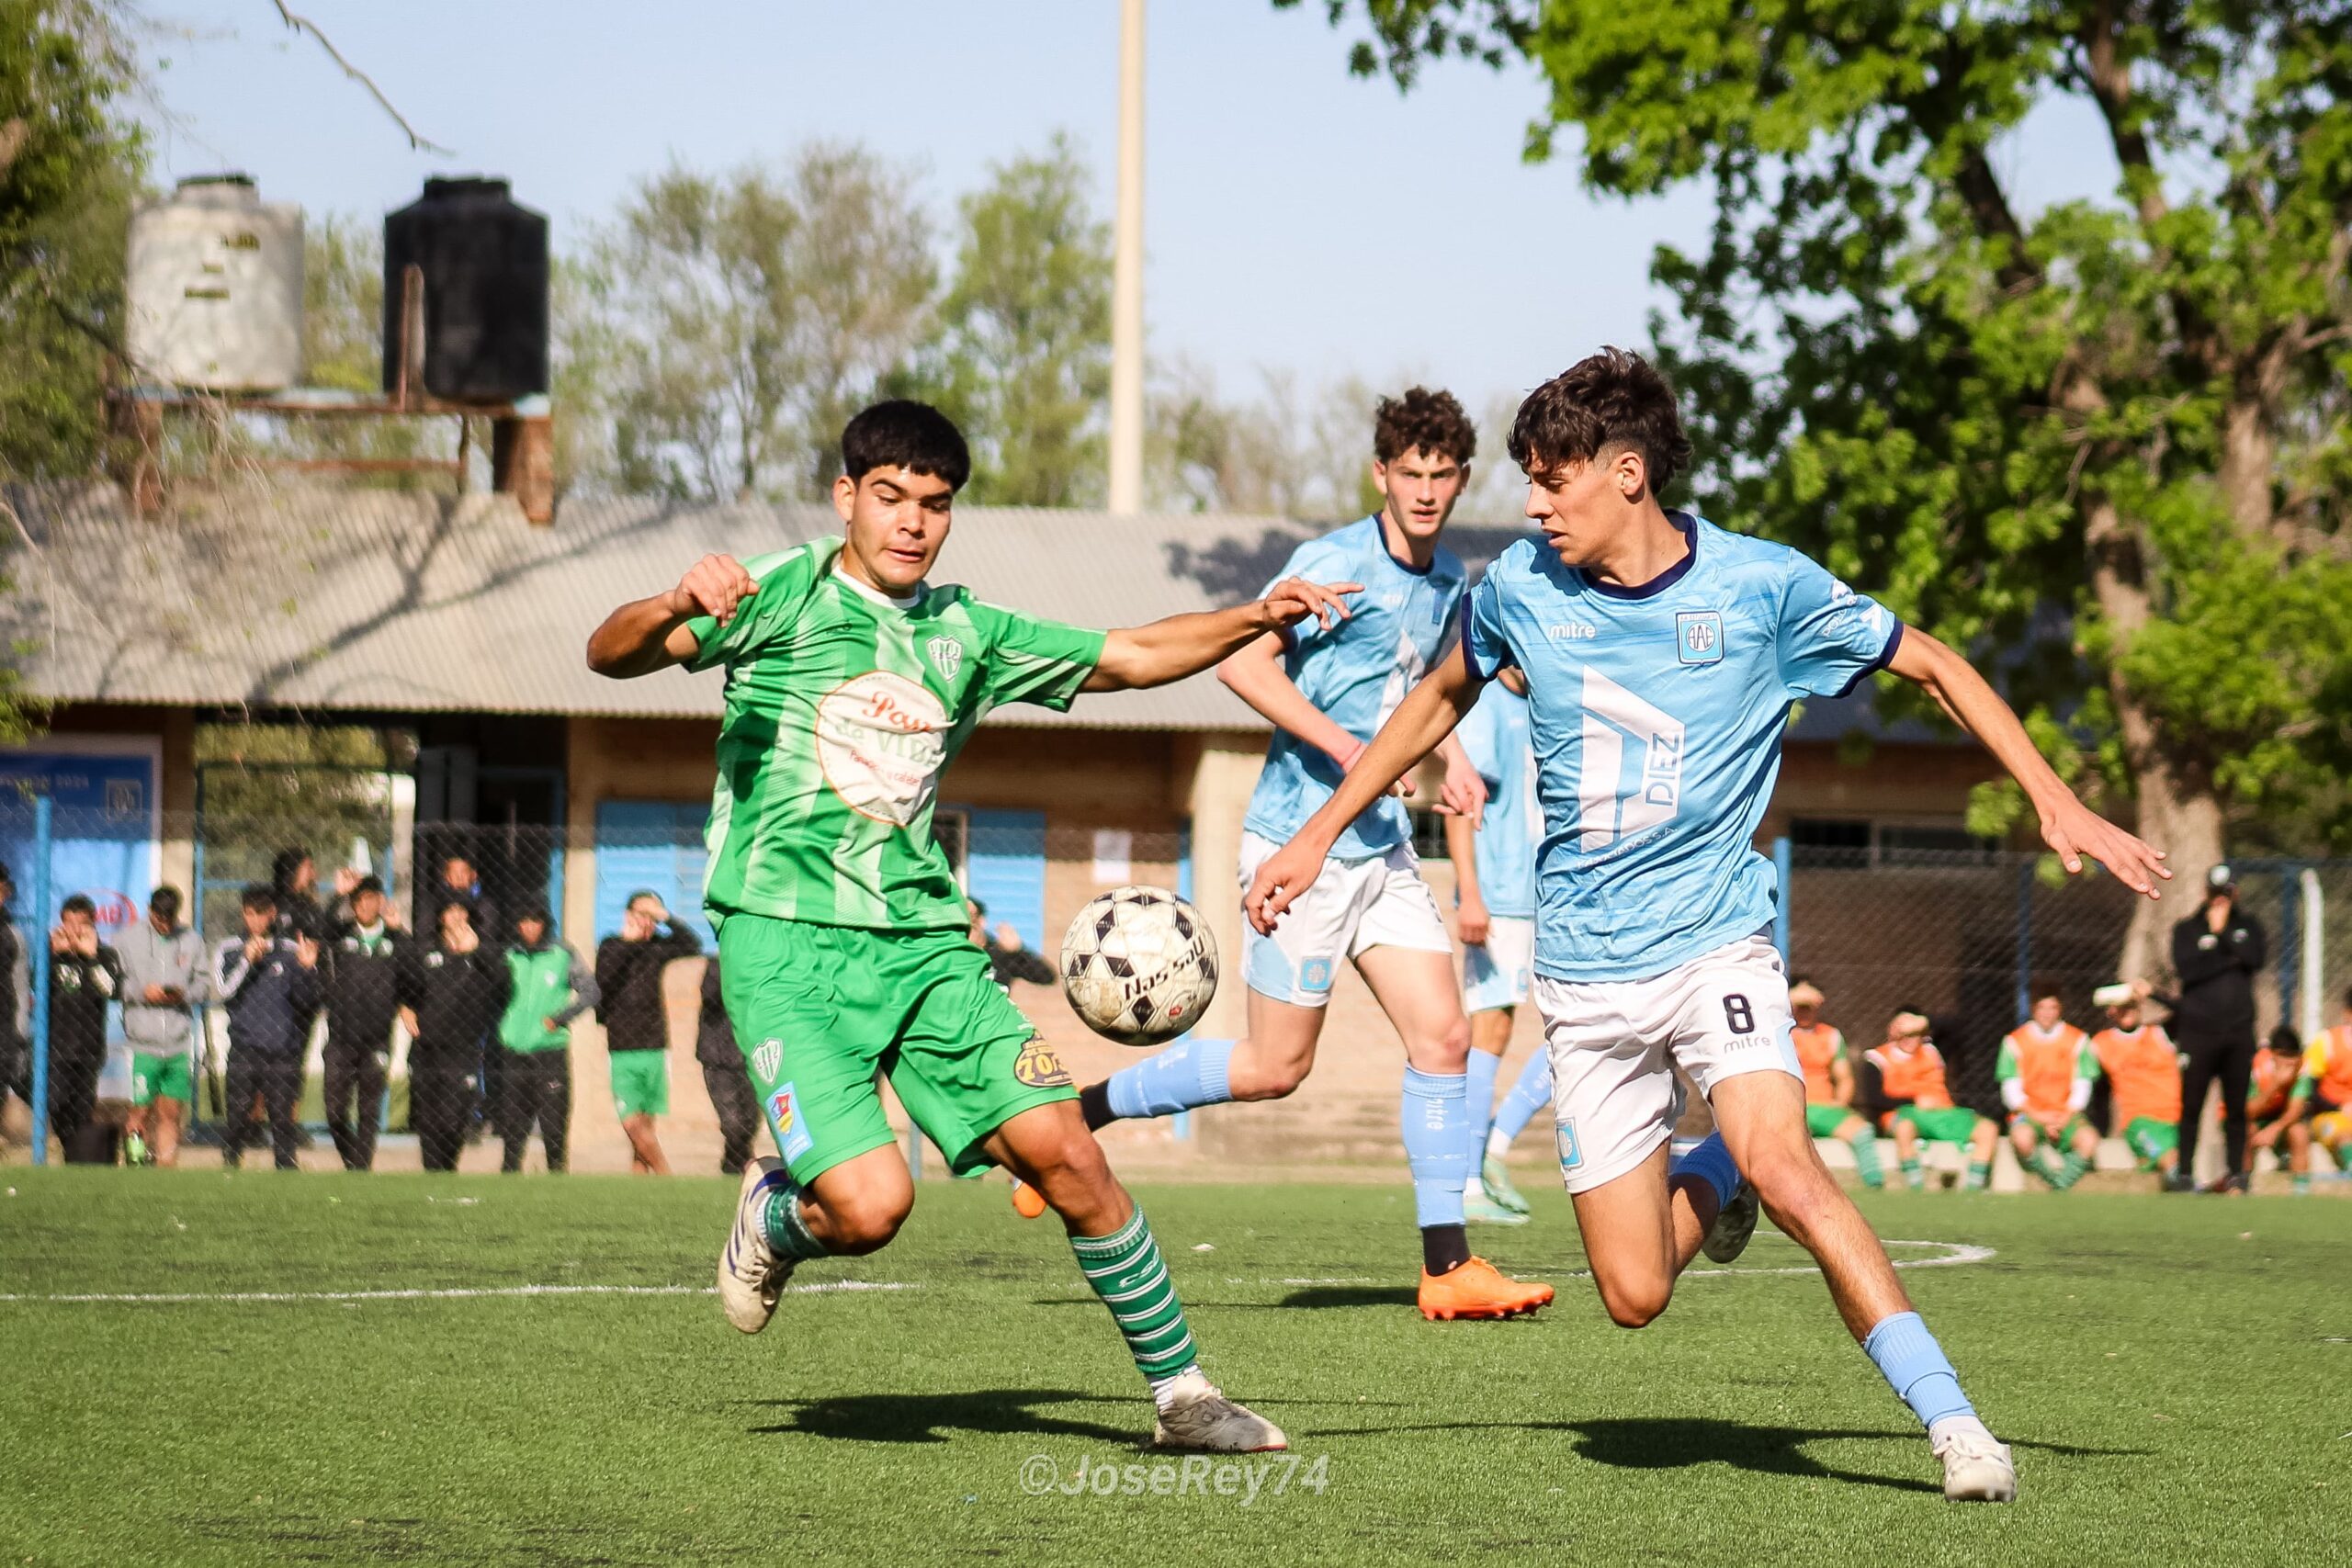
<point x="1293" y="599"/>
<point x="713" y="586"/>
<point x="1287" y="873"/>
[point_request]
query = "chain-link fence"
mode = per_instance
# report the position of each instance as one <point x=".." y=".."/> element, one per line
<point x="349" y="1039"/>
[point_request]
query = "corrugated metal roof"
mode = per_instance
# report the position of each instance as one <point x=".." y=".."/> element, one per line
<point x="379" y="600"/>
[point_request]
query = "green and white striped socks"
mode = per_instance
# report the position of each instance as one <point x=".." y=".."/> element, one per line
<point x="1865" y="1146"/>
<point x="1127" y="1272"/>
<point x="787" y="1229"/>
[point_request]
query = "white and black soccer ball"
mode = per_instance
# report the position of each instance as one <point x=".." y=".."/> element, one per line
<point x="1140" y="965"/>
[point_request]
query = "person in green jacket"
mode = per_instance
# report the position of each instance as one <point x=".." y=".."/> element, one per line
<point x="552" y="987"/>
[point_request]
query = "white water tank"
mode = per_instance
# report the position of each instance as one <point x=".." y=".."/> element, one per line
<point x="215" y="289"/>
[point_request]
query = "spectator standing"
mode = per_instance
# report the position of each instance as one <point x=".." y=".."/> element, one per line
<point x="2216" y="952"/>
<point x="84" y="979"/>
<point x="163" y="975"/>
<point x="637" y="1031"/>
<point x="363" y="969"/>
<point x="726" y="1076"/>
<point x="294" y="881"/>
<point x="454" y="993"/>
<point x="461" y="882"/>
<point x="270" y="983"/>
<point x="548" y="987"/>
<point x="15" y="999"/>
<point x="1008" y="959"/>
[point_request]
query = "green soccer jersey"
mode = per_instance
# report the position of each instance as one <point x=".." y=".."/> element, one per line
<point x="842" y="708"/>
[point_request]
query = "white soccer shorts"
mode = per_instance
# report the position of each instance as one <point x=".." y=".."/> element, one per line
<point x="1498" y="972"/>
<point x="1355" y="905"/>
<point x="1616" y="1044"/>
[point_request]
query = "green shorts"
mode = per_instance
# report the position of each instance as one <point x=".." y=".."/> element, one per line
<point x="1948" y="1124"/>
<point x="154" y="1078"/>
<point x="1823" y="1120"/>
<point x="821" y="1011"/>
<point x="2151" y="1140"/>
<point x="2063" y="1138"/>
<point x="641" y="1083"/>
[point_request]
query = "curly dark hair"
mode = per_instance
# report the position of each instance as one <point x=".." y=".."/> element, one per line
<point x="1432" y="422"/>
<point x="903" y="433"/>
<point x="1611" y="398"/>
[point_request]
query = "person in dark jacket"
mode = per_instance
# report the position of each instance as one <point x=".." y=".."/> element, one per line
<point x="637" y="1031"/>
<point x="452" y="995"/>
<point x="84" y="979"/>
<point x="294" y="882"/>
<point x="2216" y="952"/>
<point x="362" y="966"/>
<point x="550" y="987"/>
<point x="725" y="1075"/>
<point x="268" y="982"/>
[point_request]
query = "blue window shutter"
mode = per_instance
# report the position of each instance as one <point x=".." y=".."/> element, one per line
<point x="644" y="844"/>
<point x="1004" y="867"/>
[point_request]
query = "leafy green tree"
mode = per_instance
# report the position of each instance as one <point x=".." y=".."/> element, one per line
<point x="2103" y="445"/>
<point x="755" y="311"/>
<point x="70" y="162"/>
<point x="1027" y="345"/>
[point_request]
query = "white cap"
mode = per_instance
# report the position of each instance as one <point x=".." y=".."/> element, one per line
<point x="2113" y="995"/>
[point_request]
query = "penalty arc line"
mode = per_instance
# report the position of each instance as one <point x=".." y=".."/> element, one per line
<point x="447" y="1294"/>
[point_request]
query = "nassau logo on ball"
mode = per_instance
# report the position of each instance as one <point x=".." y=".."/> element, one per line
<point x="1138" y="965"/>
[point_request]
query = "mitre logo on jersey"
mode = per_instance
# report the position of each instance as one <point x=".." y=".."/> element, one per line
<point x="946" y="657"/>
<point x="1617" y="796"/>
<point x="880" y="741"/>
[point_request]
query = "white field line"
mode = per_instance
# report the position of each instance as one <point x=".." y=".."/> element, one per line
<point x="452" y="1293"/>
<point x="1954" y="1253"/>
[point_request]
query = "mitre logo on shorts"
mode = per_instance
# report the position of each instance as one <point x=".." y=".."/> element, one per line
<point x="1039" y="1066"/>
<point x="767" y="1058"/>
<point x="879" y="738"/>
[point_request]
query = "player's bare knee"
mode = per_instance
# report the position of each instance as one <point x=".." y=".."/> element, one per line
<point x="1636" y="1304"/>
<point x="1445" y="1052"/>
<point x="864" y="1223"/>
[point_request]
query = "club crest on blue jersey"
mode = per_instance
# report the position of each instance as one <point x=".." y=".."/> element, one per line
<point x="1699" y="637"/>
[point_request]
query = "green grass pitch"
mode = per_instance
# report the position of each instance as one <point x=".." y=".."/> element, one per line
<point x="2176" y="1376"/>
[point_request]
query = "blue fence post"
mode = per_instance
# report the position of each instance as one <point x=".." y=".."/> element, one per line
<point x="2025" y="937"/>
<point x="1783" y="863"/>
<point x="37" y="949"/>
<point x="2291" y="937"/>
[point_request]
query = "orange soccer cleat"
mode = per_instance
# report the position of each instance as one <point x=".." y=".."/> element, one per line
<point x="1478" y="1289"/>
<point x="1027" y="1201"/>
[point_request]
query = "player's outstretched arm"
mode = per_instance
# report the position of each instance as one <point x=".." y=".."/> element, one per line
<point x="2068" y="826"/>
<point x="1421" y="721"/>
<point x="1179" y="645"/>
<point x="646" y="635"/>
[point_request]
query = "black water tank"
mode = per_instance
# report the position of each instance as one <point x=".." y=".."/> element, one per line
<point x="485" y="263"/>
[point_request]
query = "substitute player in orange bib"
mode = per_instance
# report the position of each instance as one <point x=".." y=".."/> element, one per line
<point x="1829" y="1082"/>
<point x="2270" y="1095"/>
<point x="2143" y="1068"/>
<point x="2046" y="1072"/>
<point x="1903" y="1083"/>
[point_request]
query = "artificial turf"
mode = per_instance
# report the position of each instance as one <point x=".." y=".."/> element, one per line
<point x="2174" y="1375"/>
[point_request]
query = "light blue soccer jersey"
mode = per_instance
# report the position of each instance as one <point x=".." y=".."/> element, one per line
<point x="1658" y="714"/>
<point x="1495" y="734"/>
<point x="1356" y="672"/>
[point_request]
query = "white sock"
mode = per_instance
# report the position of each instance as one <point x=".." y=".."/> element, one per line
<point x="1472" y="1188"/>
<point x="1192" y="1382"/>
<point x="1498" y="1146"/>
<point x="1952" y="1425"/>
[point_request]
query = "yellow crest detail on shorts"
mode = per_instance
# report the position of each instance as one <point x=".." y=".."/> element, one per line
<point x="1039" y="1066"/>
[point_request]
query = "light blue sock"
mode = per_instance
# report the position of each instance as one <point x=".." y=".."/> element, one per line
<point x="1436" y="1119"/>
<point x="1530" y="1094"/>
<point x="1710" y="1161"/>
<point x="1914" y="1366"/>
<point x="1479" y="1094"/>
<point x="1179" y="1079"/>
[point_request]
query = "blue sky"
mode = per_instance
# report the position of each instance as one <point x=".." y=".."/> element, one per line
<point x="1297" y="219"/>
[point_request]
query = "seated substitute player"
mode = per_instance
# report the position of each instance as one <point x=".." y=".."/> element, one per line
<point x="1903" y="1085"/>
<point x="1494" y="879"/>
<point x="2321" y="1099"/>
<point x="1662" y="657"/>
<point x="2046" y="1070"/>
<point x="2143" y="1068"/>
<point x="2270" y="1095"/>
<point x="1829" y="1082"/>
<point x="1326" y="690"/>
<point x="852" y="681"/>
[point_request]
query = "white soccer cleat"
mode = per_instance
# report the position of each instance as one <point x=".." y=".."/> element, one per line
<point x="1976" y="1468"/>
<point x="1735" y="1225"/>
<point x="751" y="1276"/>
<point x="1200" y="1419"/>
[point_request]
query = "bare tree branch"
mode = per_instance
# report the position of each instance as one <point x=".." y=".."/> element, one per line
<point x="304" y="25"/>
<point x="13" y="134"/>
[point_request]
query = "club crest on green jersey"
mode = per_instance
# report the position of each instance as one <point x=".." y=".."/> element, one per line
<point x="881" y="742"/>
<point x="946" y="657"/>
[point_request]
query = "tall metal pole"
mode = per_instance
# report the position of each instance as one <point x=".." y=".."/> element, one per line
<point x="44" y="962"/>
<point x="1126" y="279"/>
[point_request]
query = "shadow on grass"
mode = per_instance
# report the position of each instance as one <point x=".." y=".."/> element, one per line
<point x="928" y="1418"/>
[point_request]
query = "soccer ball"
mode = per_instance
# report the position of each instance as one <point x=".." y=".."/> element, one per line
<point x="1140" y="965"/>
